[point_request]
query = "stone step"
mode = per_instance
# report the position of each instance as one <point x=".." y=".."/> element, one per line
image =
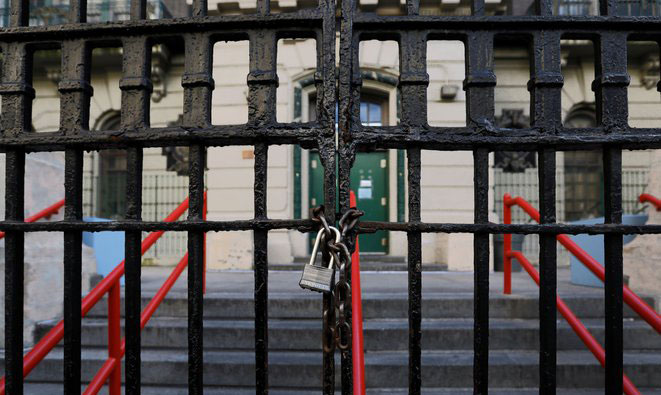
<point x="50" y="388"/>
<point x="306" y="304"/>
<point x="380" y="334"/>
<point x="440" y="369"/>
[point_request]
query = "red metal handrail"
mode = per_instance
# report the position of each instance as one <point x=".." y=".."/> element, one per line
<point x="583" y="333"/>
<point x="646" y="197"/>
<point x="637" y="304"/>
<point x="358" y="348"/>
<point x="111" y="369"/>
<point x="45" y="213"/>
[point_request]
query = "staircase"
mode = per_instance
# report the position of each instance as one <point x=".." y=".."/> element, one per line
<point x="294" y="341"/>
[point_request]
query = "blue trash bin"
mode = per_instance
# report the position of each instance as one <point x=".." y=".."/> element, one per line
<point x="594" y="246"/>
<point x="108" y="247"/>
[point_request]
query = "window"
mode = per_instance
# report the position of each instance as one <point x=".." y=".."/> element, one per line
<point x="111" y="180"/>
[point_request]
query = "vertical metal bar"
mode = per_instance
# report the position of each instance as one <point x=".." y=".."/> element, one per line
<point x="17" y="95"/>
<point x="479" y="86"/>
<point x="413" y="81"/>
<point x="413" y="7"/>
<point x="481" y="272"/>
<point x="196" y="271"/>
<point x="610" y="85"/>
<point x="115" y="339"/>
<point x="263" y="78"/>
<point x="19" y="13"/>
<point x="198" y="86"/>
<point x="14" y="287"/>
<point x="72" y="270"/>
<point x="544" y="7"/>
<point x="607" y="7"/>
<point x="138" y="9"/>
<point x="136" y="91"/>
<point x="477" y="7"/>
<point x="349" y="120"/>
<point x="261" y="272"/>
<point x="77" y="11"/>
<point x="326" y="99"/>
<point x="613" y="267"/>
<point x="75" y="94"/>
<point x="200" y="8"/>
<point x="262" y="85"/>
<point x="546" y="112"/>
<point x="548" y="275"/>
<point x="414" y="274"/>
<point x="326" y="69"/>
<point x="263" y="7"/>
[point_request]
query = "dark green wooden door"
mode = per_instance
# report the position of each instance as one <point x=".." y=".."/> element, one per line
<point x="369" y="181"/>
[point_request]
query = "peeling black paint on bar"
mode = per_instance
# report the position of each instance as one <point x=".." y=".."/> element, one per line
<point x="17" y="94"/>
<point x="14" y="274"/>
<point x="261" y="273"/>
<point x="546" y="114"/>
<point x="610" y="85"/>
<point x="136" y="90"/>
<point x="348" y="116"/>
<point x="196" y="271"/>
<point x="73" y="182"/>
<point x="325" y="79"/>
<point x="309" y="226"/>
<point x="479" y="86"/>
<point x="75" y="92"/>
<point x="413" y="81"/>
<point x="414" y="274"/>
<point x="198" y="85"/>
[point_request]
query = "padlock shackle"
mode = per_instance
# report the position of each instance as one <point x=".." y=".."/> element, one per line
<point x="317" y="242"/>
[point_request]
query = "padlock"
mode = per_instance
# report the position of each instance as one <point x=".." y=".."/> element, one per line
<point x="319" y="278"/>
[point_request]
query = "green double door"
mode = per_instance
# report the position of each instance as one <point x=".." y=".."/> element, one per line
<point x="369" y="181"/>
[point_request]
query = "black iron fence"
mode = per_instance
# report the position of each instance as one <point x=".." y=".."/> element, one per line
<point x="546" y="135"/>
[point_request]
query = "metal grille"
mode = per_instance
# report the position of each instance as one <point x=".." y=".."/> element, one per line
<point x="546" y="136"/>
<point x="477" y="31"/>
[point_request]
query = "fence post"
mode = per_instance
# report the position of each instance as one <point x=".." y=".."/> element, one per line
<point x="507" y="246"/>
<point x="204" y="249"/>
<point x="115" y="339"/>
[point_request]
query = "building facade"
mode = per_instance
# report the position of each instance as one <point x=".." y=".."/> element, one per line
<point x="378" y="178"/>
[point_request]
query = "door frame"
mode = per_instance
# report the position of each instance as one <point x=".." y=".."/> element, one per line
<point x="374" y="83"/>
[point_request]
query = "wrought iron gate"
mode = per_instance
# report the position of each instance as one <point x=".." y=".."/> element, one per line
<point x="546" y="136"/>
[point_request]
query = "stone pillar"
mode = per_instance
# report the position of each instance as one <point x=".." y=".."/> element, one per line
<point x="642" y="257"/>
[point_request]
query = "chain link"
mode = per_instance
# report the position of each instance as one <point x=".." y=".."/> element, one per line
<point x="340" y="332"/>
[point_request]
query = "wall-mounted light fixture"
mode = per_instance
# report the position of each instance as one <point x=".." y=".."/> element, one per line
<point x="449" y="91"/>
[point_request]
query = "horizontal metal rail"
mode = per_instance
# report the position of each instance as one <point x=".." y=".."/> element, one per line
<point x="445" y="138"/>
<point x="637" y="304"/>
<point x="110" y="285"/>
<point x="236" y="25"/>
<point x="45" y="213"/>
